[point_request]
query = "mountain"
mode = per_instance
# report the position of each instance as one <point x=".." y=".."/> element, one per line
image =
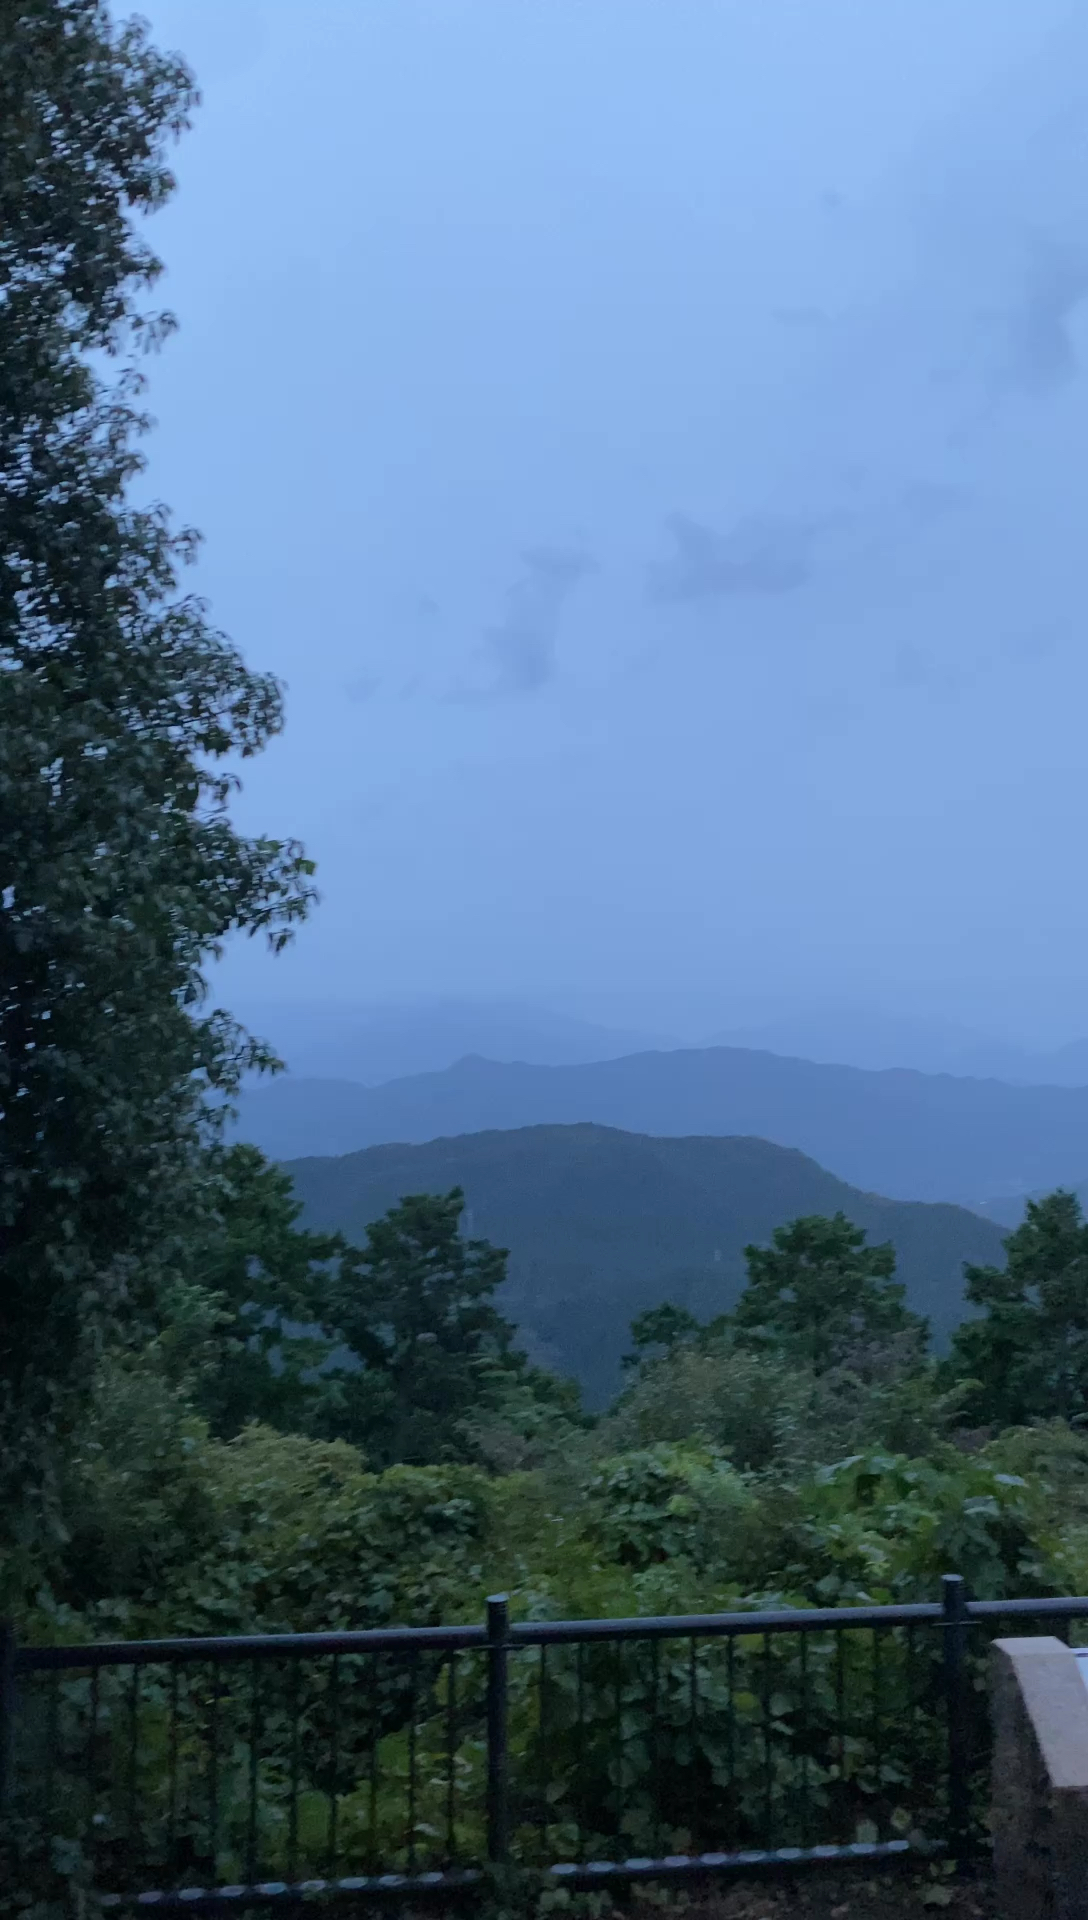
<point x="601" y="1224"/>
<point x="1008" y="1209"/>
<point x="913" y="1136"/>
<point x="371" y="1043"/>
<point x="859" y="1037"/>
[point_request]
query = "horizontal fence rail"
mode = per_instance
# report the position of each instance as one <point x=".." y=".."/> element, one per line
<point x="233" y="1771"/>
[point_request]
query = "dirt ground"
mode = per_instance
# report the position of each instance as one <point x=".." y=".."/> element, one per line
<point x="891" y="1897"/>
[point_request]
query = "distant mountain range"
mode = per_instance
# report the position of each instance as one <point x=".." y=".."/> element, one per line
<point x="601" y="1224"/>
<point x="374" y="1043"/>
<point x="909" y="1135"/>
<point x="857" y="1038"/>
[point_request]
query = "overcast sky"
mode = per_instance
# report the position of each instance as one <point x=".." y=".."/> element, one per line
<point x="650" y="438"/>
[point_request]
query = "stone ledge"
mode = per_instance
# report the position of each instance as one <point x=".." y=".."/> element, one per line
<point x="1056" y="1700"/>
<point x="1040" y="1781"/>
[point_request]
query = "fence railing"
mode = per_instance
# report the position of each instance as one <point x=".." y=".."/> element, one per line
<point x="232" y="1771"/>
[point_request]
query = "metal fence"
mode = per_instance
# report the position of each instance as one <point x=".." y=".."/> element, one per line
<point x="213" y="1772"/>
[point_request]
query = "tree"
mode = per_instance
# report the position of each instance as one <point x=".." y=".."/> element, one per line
<point x="821" y="1295"/>
<point x="416" y="1306"/>
<point x="264" y="1281"/>
<point x="1027" y="1356"/>
<point x="120" y="871"/>
<point x="658" y="1330"/>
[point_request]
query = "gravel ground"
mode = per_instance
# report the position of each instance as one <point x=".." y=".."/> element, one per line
<point x="892" y="1897"/>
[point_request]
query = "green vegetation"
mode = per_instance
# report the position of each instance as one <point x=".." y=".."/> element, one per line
<point x="120" y="707"/>
<point x="804" y="1449"/>
<point x="603" y="1225"/>
<point x="1028" y="1355"/>
<point x="236" y="1473"/>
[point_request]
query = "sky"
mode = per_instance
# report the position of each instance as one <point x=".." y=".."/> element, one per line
<point x="650" y="440"/>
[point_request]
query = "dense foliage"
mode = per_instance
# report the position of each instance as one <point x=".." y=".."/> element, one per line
<point x="742" y="1465"/>
<point x="1028" y="1354"/>
<point x="120" y="872"/>
<point x="742" y="1457"/>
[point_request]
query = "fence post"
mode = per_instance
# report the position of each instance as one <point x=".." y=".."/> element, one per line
<point x="7" y="1709"/>
<point x="498" y="1620"/>
<point x="954" y="1602"/>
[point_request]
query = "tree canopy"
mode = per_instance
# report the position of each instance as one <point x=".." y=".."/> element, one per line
<point x="121" y="707"/>
<point x="822" y="1294"/>
<point x="416" y="1305"/>
<point x="1027" y="1354"/>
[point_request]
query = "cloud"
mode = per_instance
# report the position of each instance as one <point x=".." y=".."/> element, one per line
<point x="927" y="503"/>
<point x="917" y="669"/>
<point x="521" y="649"/>
<point x="757" y="556"/>
<point x="362" y="689"/>
<point x="1040" y="351"/>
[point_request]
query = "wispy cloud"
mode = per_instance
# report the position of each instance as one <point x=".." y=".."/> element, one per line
<point x="362" y="689"/>
<point x="1040" y="351"/>
<point x="521" y="650"/>
<point x="763" y="555"/>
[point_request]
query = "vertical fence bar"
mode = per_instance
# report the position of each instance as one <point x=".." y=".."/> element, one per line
<point x="693" y="1738"/>
<point x="293" y="1789"/>
<point x="134" y="1828"/>
<point x="375" y="1735"/>
<point x="52" y="1745"/>
<point x="655" y="1744"/>
<point x="334" y="1762"/>
<point x="413" y="1737"/>
<point x="254" y="1769"/>
<point x="451" y="1761"/>
<point x="954" y="1602"/>
<point x="172" y="1765"/>
<point x="580" y="1744"/>
<point x="542" y="1741"/>
<point x="7" y="1711"/>
<point x="768" y="1748"/>
<point x="498" y="1620"/>
<point x="213" y="1773"/>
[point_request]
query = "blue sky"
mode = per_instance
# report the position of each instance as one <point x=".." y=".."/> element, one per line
<point x="649" y="437"/>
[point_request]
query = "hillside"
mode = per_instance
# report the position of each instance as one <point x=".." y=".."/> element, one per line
<point x="601" y="1223"/>
<point x="910" y="1135"/>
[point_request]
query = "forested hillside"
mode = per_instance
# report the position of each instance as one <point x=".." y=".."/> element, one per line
<point x="601" y="1224"/>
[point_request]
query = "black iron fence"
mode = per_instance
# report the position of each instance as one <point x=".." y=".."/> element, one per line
<point x="211" y="1772"/>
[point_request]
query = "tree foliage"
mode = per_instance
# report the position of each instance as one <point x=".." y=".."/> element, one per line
<point x="1027" y="1355"/>
<point x="120" y="707"/>
<point x="819" y="1294"/>
<point x="416" y="1305"/>
<point x="259" y="1289"/>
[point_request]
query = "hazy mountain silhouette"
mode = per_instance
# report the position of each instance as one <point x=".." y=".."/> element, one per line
<point x="861" y="1037"/>
<point x="601" y="1224"/>
<point x="372" y="1044"/>
<point x="909" y="1135"/>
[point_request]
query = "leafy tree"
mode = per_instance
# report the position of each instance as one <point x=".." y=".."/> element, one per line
<point x="265" y="1282"/>
<point x="1027" y="1356"/>
<point x="821" y="1295"/>
<point x="659" y="1329"/>
<point x="120" y="871"/>
<point x="416" y="1306"/>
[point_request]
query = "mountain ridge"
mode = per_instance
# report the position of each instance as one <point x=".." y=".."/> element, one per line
<point x="892" y="1131"/>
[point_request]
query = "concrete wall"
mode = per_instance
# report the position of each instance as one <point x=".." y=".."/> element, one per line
<point x="1040" y="1781"/>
